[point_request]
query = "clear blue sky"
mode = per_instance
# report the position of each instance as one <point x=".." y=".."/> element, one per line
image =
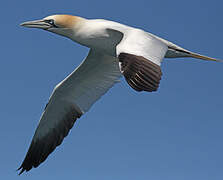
<point x="173" y="134"/>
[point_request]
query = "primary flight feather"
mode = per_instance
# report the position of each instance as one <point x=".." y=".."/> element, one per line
<point x="115" y="50"/>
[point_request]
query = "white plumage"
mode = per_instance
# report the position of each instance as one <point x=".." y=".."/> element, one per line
<point x="115" y="50"/>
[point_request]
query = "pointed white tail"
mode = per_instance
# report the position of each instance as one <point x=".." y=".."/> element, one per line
<point x="198" y="56"/>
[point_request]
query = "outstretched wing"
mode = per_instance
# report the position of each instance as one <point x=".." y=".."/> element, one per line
<point x="69" y="100"/>
<point x="140" y="55"/>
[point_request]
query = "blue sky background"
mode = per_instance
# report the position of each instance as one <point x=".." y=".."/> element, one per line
<point x="173" y="134"/>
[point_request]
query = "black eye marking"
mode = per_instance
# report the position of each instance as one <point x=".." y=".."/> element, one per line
<point x="51" y="22"/>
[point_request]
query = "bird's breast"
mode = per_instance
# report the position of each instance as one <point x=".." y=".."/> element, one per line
<point x="98" y="38"/>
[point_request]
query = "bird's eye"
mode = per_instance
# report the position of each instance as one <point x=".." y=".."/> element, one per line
<point x="51" y="22"/>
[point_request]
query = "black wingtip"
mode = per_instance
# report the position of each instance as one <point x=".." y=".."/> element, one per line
<point x="40" y="149"/>
<point x="21" y="169"/>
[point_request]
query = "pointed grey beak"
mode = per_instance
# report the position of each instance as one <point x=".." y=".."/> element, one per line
<point x="42" y="24"/>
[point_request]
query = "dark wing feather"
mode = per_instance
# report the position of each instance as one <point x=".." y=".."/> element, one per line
<point x="70" y="99"/>
<point x="42" y="147"/>
<point x="140" y="73"/>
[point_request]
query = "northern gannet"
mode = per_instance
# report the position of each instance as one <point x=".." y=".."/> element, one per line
<point x="115" y="50"/>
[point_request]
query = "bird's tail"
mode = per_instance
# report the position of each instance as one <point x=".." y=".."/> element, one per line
<point x="176" y="51"/>
<point x="198" y="56"/>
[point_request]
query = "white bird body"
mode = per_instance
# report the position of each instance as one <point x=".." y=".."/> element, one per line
<point x="115" y="50"/>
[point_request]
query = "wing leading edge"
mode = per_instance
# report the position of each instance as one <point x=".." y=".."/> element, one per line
<point x="70" y="99"/>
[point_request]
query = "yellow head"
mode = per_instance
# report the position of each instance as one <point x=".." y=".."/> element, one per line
<point x="61" y="24"/>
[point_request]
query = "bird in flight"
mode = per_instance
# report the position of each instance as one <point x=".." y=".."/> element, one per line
<point x="115" y="50"/>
